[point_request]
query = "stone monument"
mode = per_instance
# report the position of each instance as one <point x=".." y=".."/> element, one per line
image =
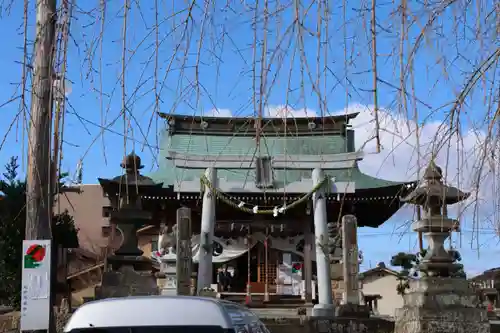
<point x="351" y="306"/>
<point x="335" y="257"/>
<point x="184" y="262"/>
<point x="441" y="300"/>
<point x="175" y="274"/>
<point x="127" y="272"/>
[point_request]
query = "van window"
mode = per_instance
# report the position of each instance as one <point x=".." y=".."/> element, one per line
<point x="154" y="329"/>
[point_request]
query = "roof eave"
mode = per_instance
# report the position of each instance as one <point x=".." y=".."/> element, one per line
<point x="180" y="117"/>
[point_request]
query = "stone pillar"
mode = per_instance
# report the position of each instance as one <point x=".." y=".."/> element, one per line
<point x="350" y="265"/>
<point x="351" y="306"/>
<point x="324" y="307"/>
<point x="207" y="232"/>
<point x="307" y="264"/>
<point x="184" y="262"/>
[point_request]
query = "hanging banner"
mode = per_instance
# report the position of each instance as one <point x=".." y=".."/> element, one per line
<point x="35" y="292"/>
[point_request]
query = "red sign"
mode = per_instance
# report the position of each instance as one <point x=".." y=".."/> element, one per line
<point x="296" y="267"/>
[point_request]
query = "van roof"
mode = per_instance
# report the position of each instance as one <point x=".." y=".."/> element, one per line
<point x="152" y="311"/>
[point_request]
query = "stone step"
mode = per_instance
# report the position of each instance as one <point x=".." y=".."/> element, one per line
<point x="257" y="300"/>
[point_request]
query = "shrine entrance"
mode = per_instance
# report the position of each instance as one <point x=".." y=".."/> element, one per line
<point x="308" y="193"/>
<point x="260" y="273"/>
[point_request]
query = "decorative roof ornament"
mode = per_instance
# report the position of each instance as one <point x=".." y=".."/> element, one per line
<point x="132" y="164"/>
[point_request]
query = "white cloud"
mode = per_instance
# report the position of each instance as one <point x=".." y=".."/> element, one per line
<point x="218" y="112"/>
<point x="461" y="159"/>
<point x="403" y="152"/>
<point x="284" y="111"/>
<point x="403" y="156"/>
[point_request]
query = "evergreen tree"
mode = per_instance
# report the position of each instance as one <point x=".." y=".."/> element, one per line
<point x="407" y="262"/>
<point x="12" y="230"/>
<point x="12" y="226"/>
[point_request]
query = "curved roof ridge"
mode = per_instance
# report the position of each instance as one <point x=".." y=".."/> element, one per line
<point x="338" y="117"/>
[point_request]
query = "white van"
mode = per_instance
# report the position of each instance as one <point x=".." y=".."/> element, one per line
<point x="163" y="314"/>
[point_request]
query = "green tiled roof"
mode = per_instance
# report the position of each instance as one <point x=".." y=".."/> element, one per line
<point x="241" y="145"/>
<point x="238" y="145"/>
<point x="170" y="176"/>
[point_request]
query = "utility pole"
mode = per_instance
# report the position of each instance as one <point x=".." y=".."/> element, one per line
<point x="38" y="183"/>
<point x="38" y="208"/>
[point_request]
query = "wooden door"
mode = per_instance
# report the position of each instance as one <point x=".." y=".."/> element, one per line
<point x="267" y="274"/>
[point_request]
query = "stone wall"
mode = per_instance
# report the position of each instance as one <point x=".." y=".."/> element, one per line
<point x="372" y="325"/>
<point x="434" y="304"/>
<point x="9" y="323"/>
<point x="276" y="325"/>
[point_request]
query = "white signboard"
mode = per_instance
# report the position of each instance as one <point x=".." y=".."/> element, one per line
<point x="35" y="293"/>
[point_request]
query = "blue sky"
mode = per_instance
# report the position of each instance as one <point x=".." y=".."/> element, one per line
<point x="94" y="127"/>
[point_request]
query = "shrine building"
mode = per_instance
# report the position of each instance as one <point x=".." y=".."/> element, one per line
<point x="261" y="196"/>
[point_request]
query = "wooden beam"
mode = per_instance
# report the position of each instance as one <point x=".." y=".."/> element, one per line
<point x="286" y="162"/>
<point x="298" y="187"/>
<point x="86" y="270"/>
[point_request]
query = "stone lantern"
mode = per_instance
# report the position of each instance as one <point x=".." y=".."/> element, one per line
<point x="131" y="273"/>
<point x="438" y="301"/>
<point x="129" y="215"/>
<point x="434" y="196"/>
